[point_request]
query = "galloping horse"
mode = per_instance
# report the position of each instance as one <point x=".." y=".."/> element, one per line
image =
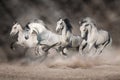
<point x="44" y="35"/>
<point x="32" y="42"/>
<point x="93" y="37"/>
<point x="68" y="39"/>
<point x="17" y="29"/>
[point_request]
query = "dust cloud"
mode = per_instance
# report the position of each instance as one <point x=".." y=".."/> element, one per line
<point x="23" y="64"/>
<point x="76" y="61"/>
<point x="109" y="57"/>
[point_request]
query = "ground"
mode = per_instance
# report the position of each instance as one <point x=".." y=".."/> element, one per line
<point x="106" y="67"/>
<point x="17" y="72"/>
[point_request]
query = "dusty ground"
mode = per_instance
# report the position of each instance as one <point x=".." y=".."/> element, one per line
<point x="74" y="68"/>
<point x="17" y="72"/>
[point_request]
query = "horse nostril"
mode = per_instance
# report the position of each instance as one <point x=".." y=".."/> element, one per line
<point x="11" y="34"/>
<point x="57" y="31"/>
<point x="26" y="38"/>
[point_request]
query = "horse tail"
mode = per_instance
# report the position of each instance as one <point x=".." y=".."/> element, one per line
<point x="109" y="42"/>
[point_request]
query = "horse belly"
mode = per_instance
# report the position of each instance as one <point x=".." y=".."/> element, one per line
<point x="21" y="40"/>
<point x="50" y="38"/>
<point x="102" y="38"/>
<point x="75" y="42"/>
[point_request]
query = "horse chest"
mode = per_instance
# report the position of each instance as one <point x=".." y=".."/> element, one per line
<point x="21" y="37"/>
<point x="100" y="40"/>
<point x="74" y="41"/>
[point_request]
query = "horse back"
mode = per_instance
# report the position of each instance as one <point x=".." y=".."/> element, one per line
<point x="102" y="36"/>
<point x="76" y="40"/>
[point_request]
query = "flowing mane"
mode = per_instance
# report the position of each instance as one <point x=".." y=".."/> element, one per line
<point x="91" y="21"/>
<point x="68" y="25"/>
<point x="36" y="21"/>
<point x="68" y="39"/>
<point x="96" y="38"/>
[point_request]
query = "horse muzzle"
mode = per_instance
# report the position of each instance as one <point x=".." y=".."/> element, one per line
<point x="12" y="34"/>
<point x="57" y="30"/>
<point x="12" y="45"/>
<point x="26" y="37"/>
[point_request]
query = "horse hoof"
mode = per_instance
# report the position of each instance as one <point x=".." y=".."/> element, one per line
<point x="64" y="54"/>
<point x="12" y="48"/>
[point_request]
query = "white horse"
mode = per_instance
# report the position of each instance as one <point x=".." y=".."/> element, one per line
<point x="44" y="35"/>
<point x="17" y="29"/>
<point x="32" y="42"/>
<point x="68" y="39"/>
<point x="93" y="37"/>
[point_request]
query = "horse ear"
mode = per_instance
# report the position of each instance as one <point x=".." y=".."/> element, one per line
<point x="79" y="22"/>
<point x="15" y="22"/>
<point x="59" y="18"/>
<point x="27" y="26"/>
<point x="34" y="32"/>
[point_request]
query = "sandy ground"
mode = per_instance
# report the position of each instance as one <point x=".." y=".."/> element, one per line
<point x="17" y="72"/>
<point x="56" y="68"/>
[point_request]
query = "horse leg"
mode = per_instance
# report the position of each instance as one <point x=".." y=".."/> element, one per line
<point x="49" y="47"/>
<point x="103" y="46"/>
<point x="82" y="46"/>
<point x="63" y="51"/>
<point x="90" y="47"/>
<point x="41" y="55"/>
<point x="99" y="49"/>
<point x="12" y="45"/>
<point x="43" y="48"/>
<point x="37" y="50"/>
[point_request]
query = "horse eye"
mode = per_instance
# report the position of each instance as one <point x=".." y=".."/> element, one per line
<point x="84" y="29"/>
<point x="15" y="27"/>
<point x="86" y="25"/>
<point x="26" y="29"/>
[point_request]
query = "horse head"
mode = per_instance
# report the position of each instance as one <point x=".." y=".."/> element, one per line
<point x="60" y="25"/>
<point x="27" y="31"/>
<point x="35" y="26"/>
<point x="85" y="27"/>
<point x="15" y="29"/>
<point x="63" y="24"/>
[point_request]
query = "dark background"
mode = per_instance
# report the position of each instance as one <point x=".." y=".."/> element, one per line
<point x="105" y="12"/>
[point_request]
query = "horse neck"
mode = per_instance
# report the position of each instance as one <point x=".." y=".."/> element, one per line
<point x="50" y="37"/>
<point x="92" y="32"/>
<point x="20" y="35"/>
<point x="20" y="30"/>
<point x="39" y="29"/>
<point x="65" y="31"/>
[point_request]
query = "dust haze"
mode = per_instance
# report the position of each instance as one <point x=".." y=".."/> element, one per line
<point x="110" y="57"/>
<point x="15" y="63"/>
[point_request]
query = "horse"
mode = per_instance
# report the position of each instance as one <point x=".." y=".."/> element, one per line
<point x="32" y="42"/>
<point x="68" y="39"/>
<point x="18" y="30"/>
<point x="92" y="36"/>
<point x="44" y="35"/>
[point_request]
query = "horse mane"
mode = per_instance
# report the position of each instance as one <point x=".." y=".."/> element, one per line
<point x="68" y="25"/>
<point x="59" y="18"/>
<point x="93" y="21"/>
<point x="82" y="21"/>
<point x="36" y="21"/>
<point x="27" y="26"/>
